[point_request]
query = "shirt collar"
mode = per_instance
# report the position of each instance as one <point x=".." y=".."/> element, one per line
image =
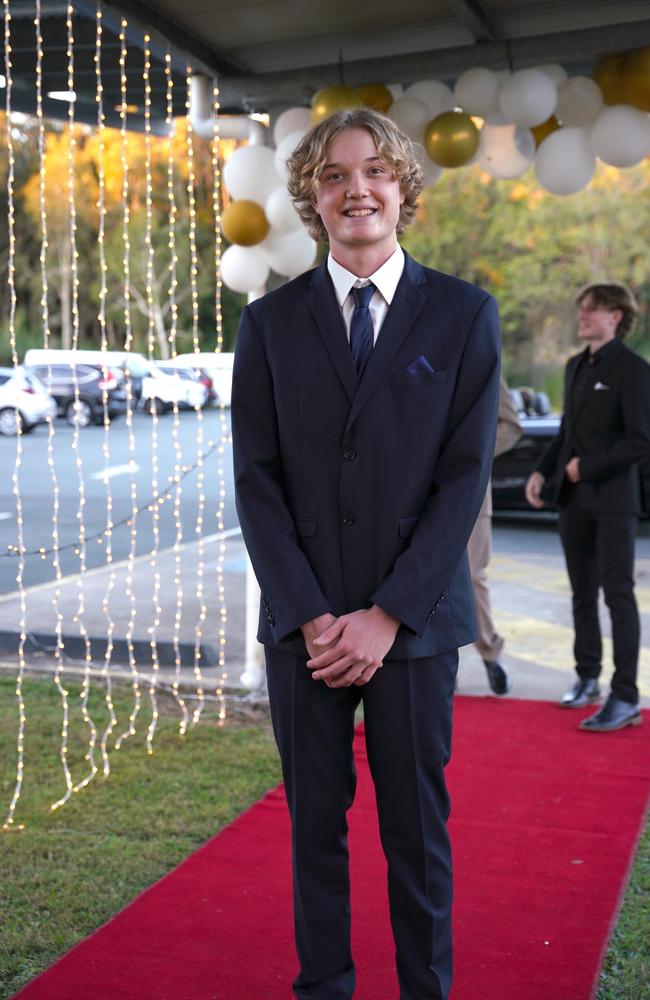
<point x="386" y="278"/>
<point x="603" y="353"/>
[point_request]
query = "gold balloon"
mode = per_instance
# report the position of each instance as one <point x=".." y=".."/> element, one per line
<point x="244" y="222"/>
<point x="376" y="96"/>
<point x="636" y="79"/>
<point x="608" y="75"/>
<point x="331" y="99"/>
<point x="541" y="131"/>
<point x="451" y="139"/>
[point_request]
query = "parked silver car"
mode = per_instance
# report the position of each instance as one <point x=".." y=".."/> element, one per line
<point x="24" y="401"/>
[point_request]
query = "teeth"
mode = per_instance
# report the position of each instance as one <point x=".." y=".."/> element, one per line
<point x="360" y="211"/>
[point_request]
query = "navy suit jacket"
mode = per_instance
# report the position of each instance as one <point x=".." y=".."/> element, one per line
<point x="609" y="429"/>
<point x="352" y="493"/>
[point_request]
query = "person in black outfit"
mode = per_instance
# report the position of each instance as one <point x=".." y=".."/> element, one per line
<point x="591" y="470"/>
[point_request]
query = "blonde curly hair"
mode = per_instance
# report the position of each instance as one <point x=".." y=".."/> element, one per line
<point x="306" y="164"/>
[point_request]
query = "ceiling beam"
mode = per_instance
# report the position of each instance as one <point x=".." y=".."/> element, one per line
<point x="203" y="58"/>
<point x="576" y="50"/>
<point x="474" y="17"/>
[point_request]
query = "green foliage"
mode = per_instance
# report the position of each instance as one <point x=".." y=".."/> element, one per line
<point x="533" y="251"/>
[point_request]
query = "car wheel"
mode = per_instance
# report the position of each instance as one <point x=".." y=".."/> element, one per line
<point x="155" y="406"/>
<point x="11" y="422"/>
<point x="78" y="413"/>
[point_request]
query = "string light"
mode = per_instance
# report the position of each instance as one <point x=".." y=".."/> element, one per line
<point x="153" y="630"/>
<point x="101" y="316"/>
<point x="76" y="447"/>
<point x="178" y="455"/>
<point x="196" y="347"/>
<point x="11" y="276"/>
<point x="218" y="286"/>
<point x="132" y="521"/>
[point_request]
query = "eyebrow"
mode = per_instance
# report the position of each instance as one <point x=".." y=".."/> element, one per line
<point x="368" y="159"/>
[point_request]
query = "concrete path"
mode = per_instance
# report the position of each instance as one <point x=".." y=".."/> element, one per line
<point x="530" y="597"/>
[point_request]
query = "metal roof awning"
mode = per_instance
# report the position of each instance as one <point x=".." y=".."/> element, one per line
<point x="269" y="54"/>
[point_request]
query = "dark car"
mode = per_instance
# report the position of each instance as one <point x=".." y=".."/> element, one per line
<point x="511" y="470"/>
<point x="84" y="405"/>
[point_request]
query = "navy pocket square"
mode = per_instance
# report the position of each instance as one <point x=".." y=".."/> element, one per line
<point x="419" y="365"/>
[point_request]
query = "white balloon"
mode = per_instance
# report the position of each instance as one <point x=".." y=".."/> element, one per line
<point x="620" y="135"/>
<point x="557" y="73"/>
<point x="527" y="98"/>
<point x="284" y="150"/>
<point x="289" y="253"/>
<point x="396" y="89"/>
<point x="291" y="120"/>
<point x="506" y="150"/>
<point x="436" y="95"/>
<point x="477" y="91"/>
<point x="250" y="173"/>
<point x="432" y="172"/>
<point x="579" y="101"/>
<point x="280" y="212"/>
<point x="565" y="161"/>
<point x="244" y="269"/>
<point x="411" y="115"/>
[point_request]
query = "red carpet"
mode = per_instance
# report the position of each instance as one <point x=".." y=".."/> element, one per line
<point x="545" y="820"/>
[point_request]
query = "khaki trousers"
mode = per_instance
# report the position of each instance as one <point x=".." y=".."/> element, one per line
<point x="479" y="549"/>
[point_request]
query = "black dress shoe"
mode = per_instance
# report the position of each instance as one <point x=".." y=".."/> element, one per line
<point x="615" y="714"/>
<point x="582" y="693"/>
<point x="498" y="677"/>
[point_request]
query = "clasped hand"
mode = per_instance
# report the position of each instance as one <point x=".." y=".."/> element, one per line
<point x="350" y="649"/>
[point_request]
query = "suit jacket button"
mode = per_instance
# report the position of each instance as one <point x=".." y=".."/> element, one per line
<point x="349" y="454"/>
<point x="348" y="517"/>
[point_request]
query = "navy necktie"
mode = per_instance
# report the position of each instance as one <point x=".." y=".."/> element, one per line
<point x="362" y="334"/>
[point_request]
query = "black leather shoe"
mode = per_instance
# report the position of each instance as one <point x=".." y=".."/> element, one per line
<point x="615" y="714"/>
<point x="582" y="693"/>
<point x="498" y="677"/>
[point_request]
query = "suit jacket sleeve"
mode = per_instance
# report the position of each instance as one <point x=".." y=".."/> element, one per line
<point x="634" y="444"/>
<point x="293" y="595"/>
<point x="423" y="572"/>
<point x="547" y="465"/>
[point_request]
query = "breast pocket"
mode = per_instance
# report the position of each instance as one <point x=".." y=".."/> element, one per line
<point x="417" y="379"/>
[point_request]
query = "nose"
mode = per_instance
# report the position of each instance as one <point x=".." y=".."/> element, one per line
<point x="357" y="186"/>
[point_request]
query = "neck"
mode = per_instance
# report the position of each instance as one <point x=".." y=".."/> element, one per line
<point x="595" y="345"/>
<point x="362" y="261"/>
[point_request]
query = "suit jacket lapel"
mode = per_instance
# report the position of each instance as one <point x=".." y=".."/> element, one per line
<point x="327" y="316"/>
<point x="402" y="313"/>
<point x="597" y="373"/>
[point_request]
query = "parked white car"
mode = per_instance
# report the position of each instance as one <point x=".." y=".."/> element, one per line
<point x="24" y="401"/>
<point x="161" y="390"/>
<point x="218" y="367"/>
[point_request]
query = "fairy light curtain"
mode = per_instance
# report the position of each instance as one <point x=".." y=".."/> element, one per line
<point x="121" y="161"/>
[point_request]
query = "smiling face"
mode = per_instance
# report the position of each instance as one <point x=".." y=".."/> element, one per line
<point x="358" y="199"/>
<point x="596" y="324"/>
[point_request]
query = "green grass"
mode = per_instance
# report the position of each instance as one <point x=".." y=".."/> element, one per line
<point x="67" y="872"/>
<point x="626" y="971"/>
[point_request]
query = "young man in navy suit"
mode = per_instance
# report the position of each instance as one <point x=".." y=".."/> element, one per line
<point x="591" y="471"/>
<point x="365" y="398"/>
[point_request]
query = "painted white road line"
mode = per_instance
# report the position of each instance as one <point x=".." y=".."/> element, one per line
<point x="5" y="515"/>
<point x="115" y="470"/>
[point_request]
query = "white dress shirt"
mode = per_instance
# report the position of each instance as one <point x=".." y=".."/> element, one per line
<point x="385" y="280"/>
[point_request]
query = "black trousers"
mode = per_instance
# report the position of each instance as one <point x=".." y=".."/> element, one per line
<point x="599" y="552"/>
<point x="408" y="716"/>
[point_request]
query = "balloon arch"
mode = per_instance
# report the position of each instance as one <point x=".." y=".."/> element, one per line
<point x="502" y="121"/>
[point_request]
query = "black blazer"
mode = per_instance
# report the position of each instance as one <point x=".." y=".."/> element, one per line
<point x="351" y="493"/>
<point x="609" y="429"/>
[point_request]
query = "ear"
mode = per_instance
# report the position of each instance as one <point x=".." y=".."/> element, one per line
<point x="617" y="316"/>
